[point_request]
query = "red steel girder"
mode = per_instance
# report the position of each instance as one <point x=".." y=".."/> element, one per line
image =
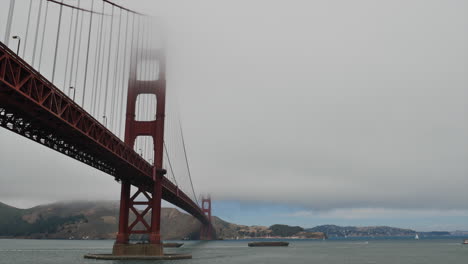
<point x="33" y="107"/>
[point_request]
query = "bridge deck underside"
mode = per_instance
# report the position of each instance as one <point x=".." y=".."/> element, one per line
<point x="33" y="107"/>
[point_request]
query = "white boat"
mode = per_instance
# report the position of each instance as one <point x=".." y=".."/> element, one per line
<point x="416" y="237"/>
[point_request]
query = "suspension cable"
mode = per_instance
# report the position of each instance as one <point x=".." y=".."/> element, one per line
<point x="121" y="7"/>
<point x="123" y="110"/>
<point x="74" y="47"/>
<point x="56" y="43"/>
<point x="115" y="74"/>
<point x="27" y="29"/>
<point x="87" y="54"/>
<point x="186" y="159"/>
<point x="108" y="63"/>
<point x="79" y="49"/>
<point x="96" y="64"/>
<point x="170" y="164"/>
<point x="11" y="11"/>
<point x="37" y="32"/>
<point x="74" y="7"/>
<point x="68" y="51"/>
<point x="43" y="34"/>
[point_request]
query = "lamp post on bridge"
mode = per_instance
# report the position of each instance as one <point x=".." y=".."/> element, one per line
<point x="19" y="43"/>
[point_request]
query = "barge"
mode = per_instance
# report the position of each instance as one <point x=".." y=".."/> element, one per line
<point x="269" y="244"/>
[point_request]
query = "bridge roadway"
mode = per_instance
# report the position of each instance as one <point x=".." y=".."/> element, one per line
<point x="33" y="107"/>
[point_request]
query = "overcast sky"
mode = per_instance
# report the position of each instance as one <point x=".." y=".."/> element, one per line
<point x="335" y="110"/>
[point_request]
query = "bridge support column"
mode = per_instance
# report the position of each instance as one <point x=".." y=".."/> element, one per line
<point x="155" y="236"/>
<point x="122" y="236"/>
<point x="149" y="189"/>
<point x="207" y="232"/>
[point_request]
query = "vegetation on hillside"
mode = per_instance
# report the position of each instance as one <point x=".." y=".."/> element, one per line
<point x="285" y="230"/>
<point x="13" y="224"/>
<point x="354" y="231"/>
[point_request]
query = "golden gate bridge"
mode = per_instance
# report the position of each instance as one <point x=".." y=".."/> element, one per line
<point x="87" y="78"/>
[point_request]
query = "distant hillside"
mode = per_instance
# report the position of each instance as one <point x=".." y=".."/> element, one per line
<point x="17" y="222"/>
<point x="434" y="234"/>
<point x="285" y="230"/>
<point x="94" y="220"/>
<point x="353" y="231"/>
<point x="98" y="220"/>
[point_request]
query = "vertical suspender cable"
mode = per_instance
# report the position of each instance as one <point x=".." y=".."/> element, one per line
<point x="27" y="29"/>
<point x="115" y="99"/>
<point x="186" y="159"/>
<point x="43" y="34"/>
<point x="37" y="31"/>
<point x="96" y="62"/>
<point x="138" y="50"/>
<point x="99" y="78"/>
<point x="170" y="165"/>
<point x="101" y="69"/>
<point x="79" y="50"/>
<point x="145" y="104"/>
<point x="123" y="110"/>
<point x="120" y="107"/>
<point x="108" y="63"/>
<point x="144" y="99"/>
<point x="87" y="54"/>
<point x="9" y="22"/>
<point x="74" y="47"/>
<point x="56" y="42"/>
<point x="150" y="102"/>
<point x="68" y="51"/>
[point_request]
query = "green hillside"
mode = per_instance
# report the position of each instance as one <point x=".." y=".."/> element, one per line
<point x="99" y="220"/>
<point x="12" y="222"/>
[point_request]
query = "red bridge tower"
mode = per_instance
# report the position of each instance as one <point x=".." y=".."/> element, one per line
<point x="207" y="232"/>
<point x="152" y="194"/>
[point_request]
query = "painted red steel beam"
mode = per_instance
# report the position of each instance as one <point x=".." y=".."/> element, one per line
<point x="33" y="107"/>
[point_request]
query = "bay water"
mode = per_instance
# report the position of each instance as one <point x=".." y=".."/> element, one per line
<point x="343" y="251"/>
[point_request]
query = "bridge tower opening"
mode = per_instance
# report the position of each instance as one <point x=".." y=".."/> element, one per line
<point x="207" y="232"/>
<point x="153" y="193"/>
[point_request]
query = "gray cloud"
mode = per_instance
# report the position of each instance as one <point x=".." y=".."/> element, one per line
<point x="327" y="104"/>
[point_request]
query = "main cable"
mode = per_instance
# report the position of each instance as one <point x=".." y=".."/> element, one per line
<point x="186" y="159"/>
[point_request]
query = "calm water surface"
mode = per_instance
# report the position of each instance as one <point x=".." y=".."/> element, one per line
<point x="437" y="251"/>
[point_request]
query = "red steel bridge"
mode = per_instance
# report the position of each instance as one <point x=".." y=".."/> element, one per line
<point x="87" y="78"/>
